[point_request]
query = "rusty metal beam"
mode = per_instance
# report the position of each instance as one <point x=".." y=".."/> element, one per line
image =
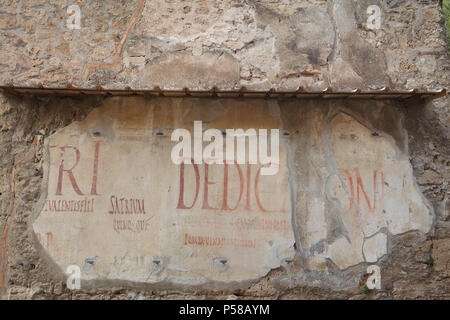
<point x="301" y="93"/>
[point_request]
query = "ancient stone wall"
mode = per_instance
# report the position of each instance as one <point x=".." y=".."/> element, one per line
<point x="258" y="44"/>
<point x="89" y="181"/>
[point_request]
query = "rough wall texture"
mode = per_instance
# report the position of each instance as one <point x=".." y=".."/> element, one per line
<point x="397" y="152"/>
<point x="259" y="44"/>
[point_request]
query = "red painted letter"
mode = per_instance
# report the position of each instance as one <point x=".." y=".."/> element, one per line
<point x="69" y="172"/>
<point x="181" y="204"/>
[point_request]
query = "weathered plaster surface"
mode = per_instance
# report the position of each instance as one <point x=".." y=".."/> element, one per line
<point x="150" y="220"/>
<point x="354" y="188"/>
<point x="353" y="183"/>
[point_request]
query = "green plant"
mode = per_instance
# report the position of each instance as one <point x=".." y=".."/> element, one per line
<point x="367" y="291"/>
<point x="430" y="261"/>
<point x="446" y="9"/>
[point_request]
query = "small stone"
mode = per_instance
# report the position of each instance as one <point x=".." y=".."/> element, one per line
<point x="7" y="22"/>
<point x="64" y="48"/>
<point x="441" y="257"/>
<point x="430" y="177"/>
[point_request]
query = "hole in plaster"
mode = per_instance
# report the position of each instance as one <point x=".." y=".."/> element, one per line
<point x="220" y="263"/>
<point x="156" y="266"/>
<point x="287" y="263"/>
<point x="97" y="134"/>
<point x="89" y="263"/>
